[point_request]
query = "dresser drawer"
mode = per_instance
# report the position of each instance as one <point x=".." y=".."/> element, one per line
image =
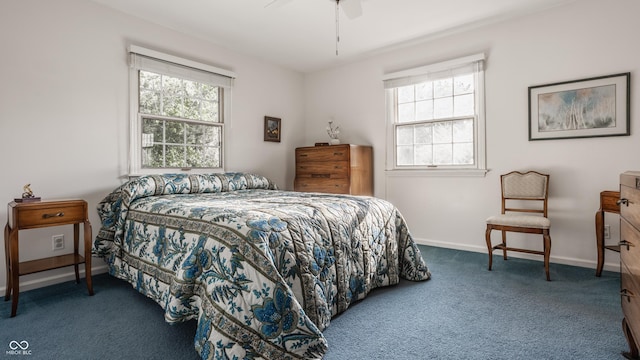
<point x="323" y="153"/>
<point x="630" y="179"/>
<point x="630" y="298"/>
<point x="57" y="213"/>
<point x="337" y="186"/>
<point x="630" y="207"/>
<point x="630" y="253"/>
<point x="333" y="170"/>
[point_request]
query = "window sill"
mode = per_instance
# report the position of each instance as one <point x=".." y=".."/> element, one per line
<point x="437" y="173"/>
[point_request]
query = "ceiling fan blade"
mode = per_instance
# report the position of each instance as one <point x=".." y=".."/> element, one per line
<point x="277" y="3"/>
<point x="351" y="8"/>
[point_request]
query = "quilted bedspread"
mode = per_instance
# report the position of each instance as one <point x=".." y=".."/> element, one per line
<point x="263" y="271"/>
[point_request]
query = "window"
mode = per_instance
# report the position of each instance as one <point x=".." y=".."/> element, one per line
<point x="178" y="113"/>
<point x="436" y="116"/>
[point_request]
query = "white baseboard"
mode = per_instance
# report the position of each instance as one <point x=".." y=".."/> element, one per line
<point x="56" y="279"/>
<point x="591" y="264"/>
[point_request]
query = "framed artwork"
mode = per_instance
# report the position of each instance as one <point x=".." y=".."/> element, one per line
<point x="583" y="108"/>
<point x="272" y="129"/>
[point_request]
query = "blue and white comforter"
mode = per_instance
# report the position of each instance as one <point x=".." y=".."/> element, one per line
<point x="263" y="271"/>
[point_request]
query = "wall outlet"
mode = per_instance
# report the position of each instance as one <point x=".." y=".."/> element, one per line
<point x="58" y="242"/>
<point x="607" y="231"/>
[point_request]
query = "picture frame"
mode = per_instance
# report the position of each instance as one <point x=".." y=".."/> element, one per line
<point x="272" y="129"/>
<point x="591" y="107"/>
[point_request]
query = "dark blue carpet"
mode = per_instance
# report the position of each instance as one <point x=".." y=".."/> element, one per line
<point x="467" y="312"/>
<point x="463" y="312"/>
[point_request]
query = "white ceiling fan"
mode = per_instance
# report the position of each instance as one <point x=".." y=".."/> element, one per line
<point x="351" y="8"/>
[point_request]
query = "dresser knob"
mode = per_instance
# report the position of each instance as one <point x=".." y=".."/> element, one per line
<point x="627" y="293"/>
<point x="625" y="243"/>
<point x="623" y="202"/>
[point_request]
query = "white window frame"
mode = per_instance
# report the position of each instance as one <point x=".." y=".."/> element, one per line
<point x="421" y="74"/>
<point x="155" y="61"/>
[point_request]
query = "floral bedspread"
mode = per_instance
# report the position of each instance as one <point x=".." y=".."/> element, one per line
<point x="262" y="270"/>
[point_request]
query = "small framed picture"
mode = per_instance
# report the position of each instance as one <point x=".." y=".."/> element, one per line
<point x="272" y="129"/>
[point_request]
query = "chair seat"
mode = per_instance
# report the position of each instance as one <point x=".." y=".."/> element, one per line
<point x="528" y="221"/>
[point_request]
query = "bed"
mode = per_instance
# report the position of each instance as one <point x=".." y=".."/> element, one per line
<point x="262" y="270"/>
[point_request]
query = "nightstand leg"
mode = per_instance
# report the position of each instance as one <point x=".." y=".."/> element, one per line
<point x="76" y="242"/>
<point x="7" y="292"/>
<point x="87" y="256"/>
<point x="15" y="271"/>
<point x="600" y="241"/>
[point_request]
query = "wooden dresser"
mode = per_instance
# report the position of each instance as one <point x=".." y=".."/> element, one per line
<point x="630" y="259"/>
<point x="337" y="169"/>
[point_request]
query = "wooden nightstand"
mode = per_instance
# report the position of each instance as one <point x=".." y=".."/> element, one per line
<point x="608" y="203"/>
<point x="32" y="215"/>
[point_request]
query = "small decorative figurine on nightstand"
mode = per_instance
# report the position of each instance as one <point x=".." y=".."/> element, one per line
<point x="333" y="133"/>
<point x="27" y="195"/>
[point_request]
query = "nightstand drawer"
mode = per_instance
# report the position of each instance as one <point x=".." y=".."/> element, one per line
<point x="609" y="201"/>
<point x="57" y="213"/>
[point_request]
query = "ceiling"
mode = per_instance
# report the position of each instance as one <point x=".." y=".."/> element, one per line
<point x="301" y="34"/>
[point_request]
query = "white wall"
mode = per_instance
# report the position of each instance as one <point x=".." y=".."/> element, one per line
<point x="64" y="108"/>
<point x="584" y="39"/>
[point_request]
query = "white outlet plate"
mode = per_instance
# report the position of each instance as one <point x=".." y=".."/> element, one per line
<point x="607" y="232"/>
<point x="58" y="242"/>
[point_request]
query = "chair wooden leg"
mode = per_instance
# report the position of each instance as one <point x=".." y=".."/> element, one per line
<point x="487" y="236"/>
<point x="504" y="244"/>
<point x="547" y="252"/>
